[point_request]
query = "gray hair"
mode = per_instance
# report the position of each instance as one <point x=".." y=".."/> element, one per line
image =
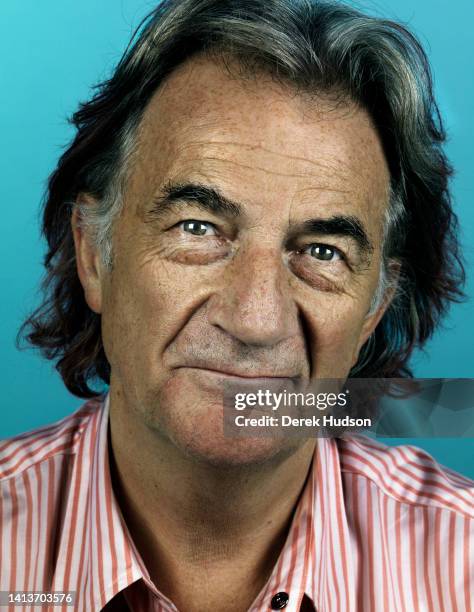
<point x="315" y="47"/>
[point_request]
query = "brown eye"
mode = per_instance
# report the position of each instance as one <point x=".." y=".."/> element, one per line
<point x="198" y="228"/>
<point x="324" y="252"/>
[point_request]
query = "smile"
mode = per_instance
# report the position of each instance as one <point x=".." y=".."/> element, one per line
<point x="243" y="376"/>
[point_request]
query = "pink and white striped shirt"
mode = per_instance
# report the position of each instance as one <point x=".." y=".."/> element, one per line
<point x="377" y="528"/>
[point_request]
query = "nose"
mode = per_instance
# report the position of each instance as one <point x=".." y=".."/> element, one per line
<point x="253" y="303"/>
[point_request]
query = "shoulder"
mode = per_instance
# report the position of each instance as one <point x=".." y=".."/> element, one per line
<point x="24" y="451"/>
<point x="407" y="474"/>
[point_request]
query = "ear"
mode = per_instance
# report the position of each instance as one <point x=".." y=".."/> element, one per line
<point x="88" y="261"/>
<point x="373" y="319"/>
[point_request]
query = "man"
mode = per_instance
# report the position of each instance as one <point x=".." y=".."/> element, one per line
<point x="257" y="195"/>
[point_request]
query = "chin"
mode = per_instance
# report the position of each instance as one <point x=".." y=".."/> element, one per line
<point x="195" y="428"/>
<point x="188" y="411"/>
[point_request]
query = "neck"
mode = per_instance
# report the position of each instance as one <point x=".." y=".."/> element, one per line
<point x="193" y="522"/>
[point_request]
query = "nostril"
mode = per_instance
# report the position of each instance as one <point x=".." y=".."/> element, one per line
<point x="251" y="304"/>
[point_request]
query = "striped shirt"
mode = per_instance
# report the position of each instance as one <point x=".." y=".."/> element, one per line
<point x="376" y="529"/>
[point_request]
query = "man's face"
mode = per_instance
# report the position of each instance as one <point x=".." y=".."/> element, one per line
<point x="249" y="246"/>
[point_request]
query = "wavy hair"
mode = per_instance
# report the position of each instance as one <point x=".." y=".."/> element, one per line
<point x="315" y="46"/>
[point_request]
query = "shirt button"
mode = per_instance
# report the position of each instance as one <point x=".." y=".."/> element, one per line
<point x="279" y="601"/>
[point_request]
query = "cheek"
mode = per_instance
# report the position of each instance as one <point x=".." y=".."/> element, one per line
<point x="145" y="307"/>
<point x="335" y="333"/>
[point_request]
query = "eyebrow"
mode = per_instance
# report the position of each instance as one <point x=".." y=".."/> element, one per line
<point x="208" y="198"/>
<point x="205" y="197"/>
<point x="339" y="225"/>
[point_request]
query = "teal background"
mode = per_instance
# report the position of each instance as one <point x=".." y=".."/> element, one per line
<point x="53" y="51"/>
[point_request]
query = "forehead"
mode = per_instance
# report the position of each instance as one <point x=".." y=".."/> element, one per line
<point x="253" y="135"/>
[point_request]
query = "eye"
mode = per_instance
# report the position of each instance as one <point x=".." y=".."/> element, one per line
<point x="324" y="252"/>
<point x="198" y="228"/>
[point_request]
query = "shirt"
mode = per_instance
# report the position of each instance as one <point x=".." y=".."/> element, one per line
<point x="376" y="528"/>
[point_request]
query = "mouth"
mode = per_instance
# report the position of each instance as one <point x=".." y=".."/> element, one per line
<point x="258" y="379"/>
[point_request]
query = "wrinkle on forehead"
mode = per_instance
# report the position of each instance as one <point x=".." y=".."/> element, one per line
<point x="217" y="163"/>
<point x="308" y="166"/>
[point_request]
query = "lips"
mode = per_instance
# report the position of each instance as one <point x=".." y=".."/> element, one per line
<point x="244" y="374"/>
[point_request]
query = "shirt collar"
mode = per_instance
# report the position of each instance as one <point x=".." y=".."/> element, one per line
<point x="317" y="542"/>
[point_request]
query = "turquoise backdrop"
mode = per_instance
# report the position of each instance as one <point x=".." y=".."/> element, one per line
<point x="53" y="51"/>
